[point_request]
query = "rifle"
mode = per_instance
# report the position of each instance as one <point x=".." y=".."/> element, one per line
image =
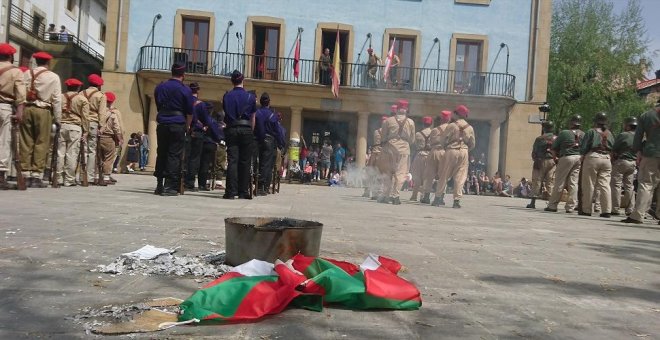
<point x="99" y="160"/>
<point x="53" y="160"/>
<point x="83" y="163"/>
<point x="20" y="180"/>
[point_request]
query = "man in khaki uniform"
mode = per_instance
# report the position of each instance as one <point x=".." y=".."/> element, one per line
<point x="43" y="105"/>
<point x="74" y="126"/>
<point x="544" y="163"/>
<point x="12" y="96"/>
<point x="97" y="108"/>
<point x="419" y="164"/>
<point x="372" y="171"/>
<point x="397" y="133"/>
<point x="623" y="168"/>
<point x="111" y="136"/>
<point x="436" y="158"/>
<point x="596" y="149"/>
<point x="458" y="139"/>
<point x="567" y="145"/>
<point x="648" y="156"/>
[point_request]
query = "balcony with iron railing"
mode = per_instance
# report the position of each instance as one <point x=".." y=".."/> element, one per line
<point x="36" y="28"/>
<point x="353" y="75"/>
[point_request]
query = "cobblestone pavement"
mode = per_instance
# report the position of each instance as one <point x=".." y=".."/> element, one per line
<point x="490" y="270"/>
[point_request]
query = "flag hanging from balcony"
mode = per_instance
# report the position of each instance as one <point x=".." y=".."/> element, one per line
<point x="336" y="67"/>
<point x="388" y="62"/>
<point x="296" y="59"/>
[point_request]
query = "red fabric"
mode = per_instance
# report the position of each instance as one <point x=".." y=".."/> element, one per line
<point x="23" y="68"/>
<point x="385" y="284"/>
<point x="42" y="55"/>
<point x="462" y="110"/>
<point x="223" y="278"/>
<point x="72" y="82"/>
<point x="301" y="262"/>
<point x="402" y="103"/>
<point x="296" y="60"/>
<point x="110" y="96"/>
<point x="427" y="120"/>
<point x="390" y="264"/>
<point x="6" y="49"/>
<point x="95" y="80"/>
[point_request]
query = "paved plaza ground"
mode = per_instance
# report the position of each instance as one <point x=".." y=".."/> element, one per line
<point x="490" y="270"/>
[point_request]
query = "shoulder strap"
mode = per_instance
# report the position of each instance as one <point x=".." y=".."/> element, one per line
<point x="401" y="125"/>
<point x="68" y="101"/>
<point x="90" y="94"/>
<point x="34" y="78"/>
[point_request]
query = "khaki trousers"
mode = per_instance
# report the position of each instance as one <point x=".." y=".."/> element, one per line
<point x="623" y="175"/>
<point x="596" y="175"/>
<point x="433" y="166"/>
<point x="108" y="153"/>
<point x="68" y="151"/>
<point x="417" y="170"/>
<point x="394" y="178"/>
<point x="5" y="137"/>
<point x="35" y="140"/>
<point x="648" y="179"/>
<point x="455" y="166"/>
<point x="566" y="175"/>
<point x="91" y="149"/>
<point x="546" y="174"/>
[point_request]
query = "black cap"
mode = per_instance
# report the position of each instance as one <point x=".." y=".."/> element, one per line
<point x="576" y="120"/>
<point x="194" y="87"/>
<point x="236" y="77"/>
<point x="265" y="99"/>
<point x="630" y="121"/>
<point x="178" y="69"/>
<point x="548" y="125"/>
<point x="600" y="118"/>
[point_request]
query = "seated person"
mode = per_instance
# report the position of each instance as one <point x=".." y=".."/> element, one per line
<point x="484" y="183"/>
<point x="507" y="187"/>
<point x="307" y="174"/>
<point x="496" y="183"/>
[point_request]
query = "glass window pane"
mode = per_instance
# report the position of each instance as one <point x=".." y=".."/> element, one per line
<point x="203" y="35"/>
<point x="188" y="34"/>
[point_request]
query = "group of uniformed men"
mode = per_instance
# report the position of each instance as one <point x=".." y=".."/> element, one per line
<point x="253" y="137"/>
<point x="85" y="124"/>
<point x="602" y="167"/>
<point x="441" y="154"/>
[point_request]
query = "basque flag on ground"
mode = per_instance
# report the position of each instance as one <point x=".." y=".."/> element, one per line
<point x="259" y="288"/>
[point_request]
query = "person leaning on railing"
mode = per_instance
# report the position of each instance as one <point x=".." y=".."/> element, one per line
<point x="325" y="65"/>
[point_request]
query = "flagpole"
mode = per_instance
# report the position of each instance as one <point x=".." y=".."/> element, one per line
<point x="298" y="37"/>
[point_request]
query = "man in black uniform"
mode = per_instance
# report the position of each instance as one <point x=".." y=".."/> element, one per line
<point x="195" y="140"/>
<point x="240" y="107"/>
<point x="266" y="131"/>
<point x="174" y="101"/>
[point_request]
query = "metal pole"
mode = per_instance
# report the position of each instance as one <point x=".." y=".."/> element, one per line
<point x="8" y="23"/>
<point x="507" y="59"/>
<point x="437" y="66"/>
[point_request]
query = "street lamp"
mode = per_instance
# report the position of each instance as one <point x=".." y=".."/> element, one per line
<point x="502" y="45"/>
<point x="544" y="109"/>
<point x="153" y="27"/>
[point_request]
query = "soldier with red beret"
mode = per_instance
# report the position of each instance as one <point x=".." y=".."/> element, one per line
<point x="97" y="108"/>
<point x="435" y="161"/>
<point x="12" y="96"/>
<point x="110" y="136"/>
<point x="75" y="116"/>
<point x="458" y="139"/>
<point x="420" y="162"/>
<point x="43" y="106"/>
<point x="397" y="134"/>
<point x="374" y="180"/>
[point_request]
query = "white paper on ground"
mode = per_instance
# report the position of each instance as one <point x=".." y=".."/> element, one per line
<point x="370" y="263"/>
<point x="255" y="268"/>
<point x="148" y="252"/>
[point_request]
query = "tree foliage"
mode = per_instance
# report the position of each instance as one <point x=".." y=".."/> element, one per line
<point x="595" y="60"/>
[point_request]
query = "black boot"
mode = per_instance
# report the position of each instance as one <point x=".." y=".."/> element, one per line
<point x="426" y="199"/>
<point x="438" y="200"/>
<point x="383" y="200"/>
<point x="366" y="193"/>
<point x="396" y="201"/>
<point x="532" y="204"/>
<point x="3" y="181"/>
<point x="457" y="204"/>
<point x="159" y="186"/>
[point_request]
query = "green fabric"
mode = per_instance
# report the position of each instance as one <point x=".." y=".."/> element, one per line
<point x="542" y="146"/>
<point x="648" y="127"/>
<point x="565" y="142"/>
<point x="593" y="141"/>
<point x="623" y="146"/>
<point x="223" y="299"/>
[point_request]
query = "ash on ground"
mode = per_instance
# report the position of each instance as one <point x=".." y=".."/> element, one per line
<point x="206" y="265"/>
<point x="94" y="318"/>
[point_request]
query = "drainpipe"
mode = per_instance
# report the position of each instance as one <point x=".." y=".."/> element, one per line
<point x="118" y="37"/>
<point x="8" y="13"/>
<point x="79" y="19"/>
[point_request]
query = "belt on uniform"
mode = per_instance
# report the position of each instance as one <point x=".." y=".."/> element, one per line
<point x="170" y="113"/>
<point x="241" y="122"/>
<point x="35" y="105"/>
<point x="602" y="152"/>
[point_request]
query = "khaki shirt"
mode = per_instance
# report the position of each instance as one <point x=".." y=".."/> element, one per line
<point x="49" y="91"/>
<point x="458" y="135"/>
<point x="377" y="147"/>
<point x="111" y="124"/>
<point x="434" y="139"/>
<point x="399" y="132"/>
<point x="78" y="110"/>
<point x="12" y="85"/>
<point x="422" y="141"/>
<point x="97" y="104"/>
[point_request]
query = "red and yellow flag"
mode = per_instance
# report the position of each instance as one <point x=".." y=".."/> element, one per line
<point x="336" y="68"/>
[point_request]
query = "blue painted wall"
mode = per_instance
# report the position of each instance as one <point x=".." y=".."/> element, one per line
<point x="502" y="21"/>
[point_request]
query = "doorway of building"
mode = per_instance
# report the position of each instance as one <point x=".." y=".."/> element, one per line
<point x="328" y="39"/>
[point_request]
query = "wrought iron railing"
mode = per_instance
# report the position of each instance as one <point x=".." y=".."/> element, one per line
<point x="37" y="28"/>
<point x="314" y="72"/>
